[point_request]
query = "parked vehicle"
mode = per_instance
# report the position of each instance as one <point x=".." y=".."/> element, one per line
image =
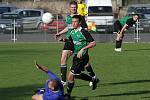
<point x="139" y="8"/>
<point x="31" y="18"/>
<point x="9" y="22"/>
<point x="6" y="8"/>
<point x="3" y="9"/>
<point x="100" y="12"/>
<point x="57" y="24"/>
<point x="144" y="12"/>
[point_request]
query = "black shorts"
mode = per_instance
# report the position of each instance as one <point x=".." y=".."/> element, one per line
<point x="117" y="26"/>
<point x="68" y="46"/>
<point x="79" y="64"/>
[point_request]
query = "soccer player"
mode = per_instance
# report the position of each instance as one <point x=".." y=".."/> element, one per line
<point x="53" y="88"/>
<point x="120" y="26"/>
<point x="82" y="42"/>
<point x="69" y="46"/>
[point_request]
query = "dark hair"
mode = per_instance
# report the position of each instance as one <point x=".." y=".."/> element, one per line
<point x="136" y="15"/>
<point x="77" y="17"/>
<point x="73" y="3"/>
<point x="55" y="84"/>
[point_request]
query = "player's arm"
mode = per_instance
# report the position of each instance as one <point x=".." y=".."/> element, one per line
<point x="62" y="32"/>
<point x="45" y="69"/>
<point x="123" y="29"/>
<point x="65" y="39"/>
<point x="91" y="43"/>
<point x="89" y="39"/>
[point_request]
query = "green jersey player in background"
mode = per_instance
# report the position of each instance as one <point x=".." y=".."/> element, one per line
<point x="120" y="26"/>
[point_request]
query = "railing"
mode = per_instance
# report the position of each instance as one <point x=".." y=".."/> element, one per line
<point x="46" y="33"/>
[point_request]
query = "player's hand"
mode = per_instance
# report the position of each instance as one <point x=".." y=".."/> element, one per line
<point x="37" y="65"/>
<point x="62" y="39"/>
<point x="119" y="36"/>
<point x="57" y="35"/>
<point x="79" y="55"/>
<point x="43" y="68"/>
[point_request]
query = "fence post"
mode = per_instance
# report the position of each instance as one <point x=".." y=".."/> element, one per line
<point x="137" y="31"/>
<point x="57" y="21"/>
<point x="14" y="35"/>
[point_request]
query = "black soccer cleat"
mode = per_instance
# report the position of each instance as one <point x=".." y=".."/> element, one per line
<point x="95" y="81"/>
<point x="67" y="96"/>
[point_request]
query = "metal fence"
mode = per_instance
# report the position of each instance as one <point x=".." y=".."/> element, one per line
<point x="46" y="34"/>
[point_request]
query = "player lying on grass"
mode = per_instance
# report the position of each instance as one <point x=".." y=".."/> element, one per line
<point x="120" y="26"/>
<point x="53" y="88"/>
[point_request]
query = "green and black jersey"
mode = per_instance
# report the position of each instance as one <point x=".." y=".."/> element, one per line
<point x="69" y="23"/>
<point x="122" y="21"/>
<point x="80" y="38"/>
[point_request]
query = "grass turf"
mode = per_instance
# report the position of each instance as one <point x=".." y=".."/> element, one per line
<point x="124" y="76"/>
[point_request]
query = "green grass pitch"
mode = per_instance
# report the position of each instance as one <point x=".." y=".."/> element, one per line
<point x="124" y="76"/>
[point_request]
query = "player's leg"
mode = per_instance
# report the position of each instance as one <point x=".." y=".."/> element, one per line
<point x="86" y="77"/>
<point x="90" y="71"/>
<point x="70" y="84"/>
<point x="78" y="66"/>
<point x="117" y="28"/>
<point x="66" y="53"/>
<point x="63" y="65"/>
<point x="37" y="97"/>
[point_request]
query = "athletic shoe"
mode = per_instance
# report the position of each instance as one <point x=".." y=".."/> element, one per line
<point x="64" y="83"/>
<point x="90" y="83"/>
<point x="117" y="49"/>
<point x="67" y="96"/>
<point x="40" y="91"/>
<point x="95" y="81"/>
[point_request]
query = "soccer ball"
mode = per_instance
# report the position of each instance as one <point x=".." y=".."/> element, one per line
<point x="47" y="18"/>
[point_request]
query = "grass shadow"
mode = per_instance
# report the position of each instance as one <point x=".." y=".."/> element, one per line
<point x="147" y="49"/>
<point x="127" y="82"/>
<point x="146" y="97"/>
<point x="127" y="93"/>
<point x="12" y="93"/>
<point x="118" y="94"/>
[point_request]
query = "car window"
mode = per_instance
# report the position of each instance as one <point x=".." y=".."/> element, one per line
<point x="99" y="9"/>
<point x="131" y="9"/>
<point x="30" y="13"/>
<point x="143" y="10"/>
<point x="34" y="13"/>
<point x="4" y="9"/>
<point x="23" y="14"/>
<point x="59" y="16"/>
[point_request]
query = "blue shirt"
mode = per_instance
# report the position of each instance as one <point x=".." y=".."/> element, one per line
<point x="53" y="95"/>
